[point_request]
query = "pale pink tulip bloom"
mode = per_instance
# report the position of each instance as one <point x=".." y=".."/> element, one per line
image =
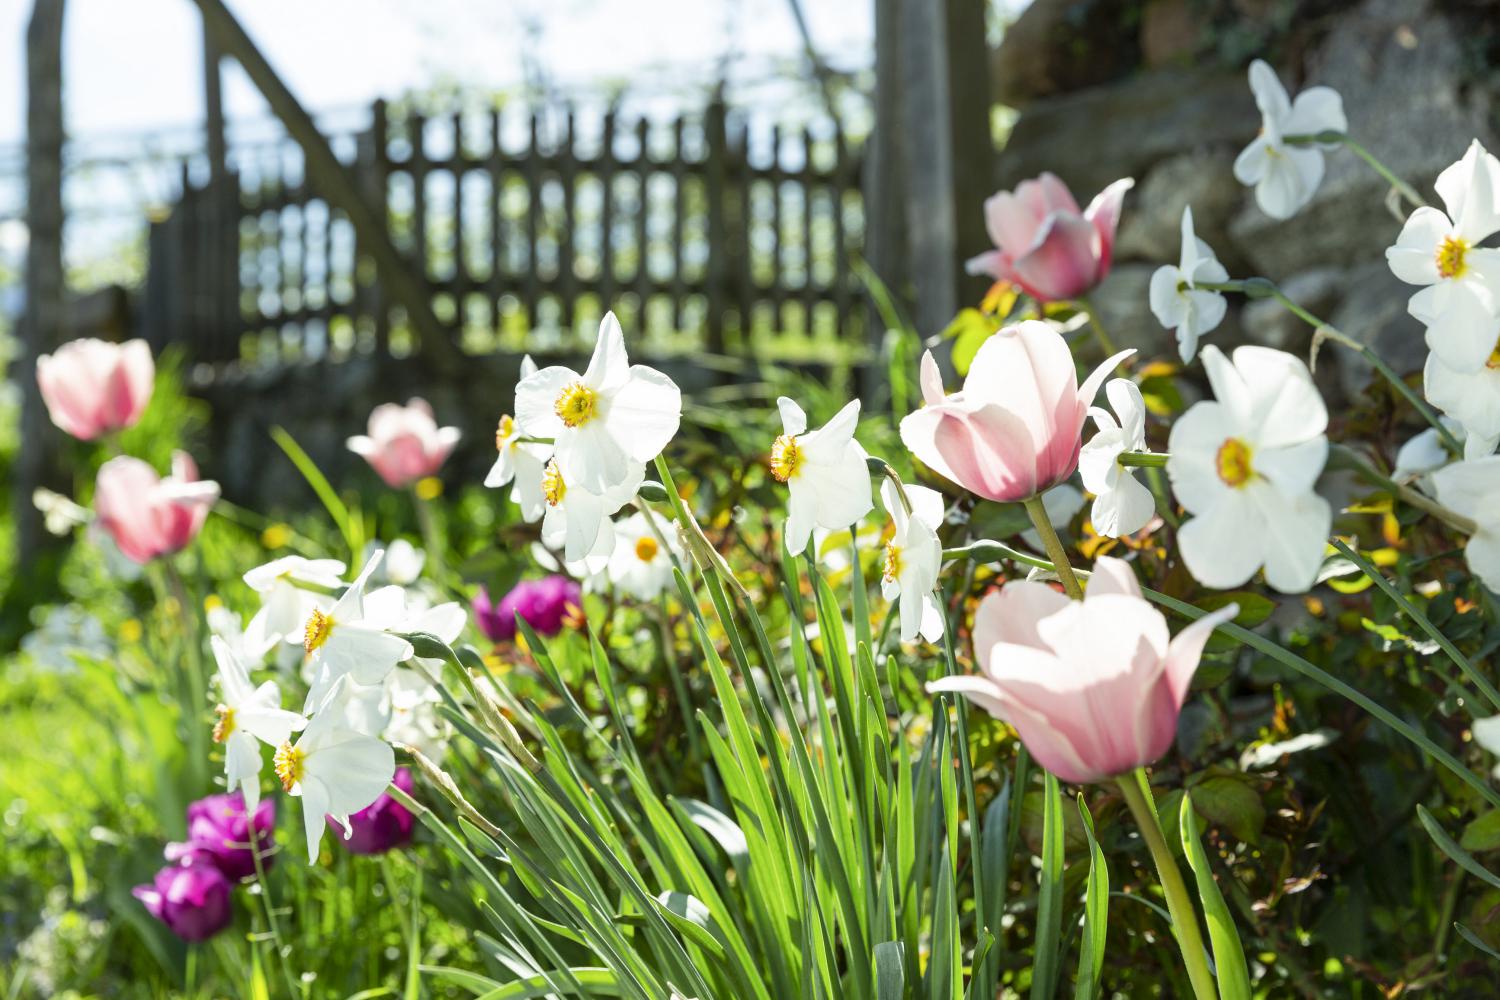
<point x="148" y="516"/>
<point x="1044" y="243"/>
<point x="1093" y="687"/>
<point x="92" y="387"/>
<point x="1015" y="428"/>
<point x="404" y="443"/>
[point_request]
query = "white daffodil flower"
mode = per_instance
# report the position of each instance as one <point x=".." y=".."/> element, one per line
<point x="345" y="640"/>
<point x="1469" y="488"/>
<point x="641" y="565"/>
<point x="913" y="557"/>
<point x="1244" y="465"/>
<point x="1177" y="301"/>
<point x="605" y="422"/>
<point x="1122" y="504"/>
<point x="335" y="770"/>
<point x="520" y="462"/>
<point x="824" y="470"/>
<point x="1487" y="735"/>
<point x="1473" y="400"/>
<point x="1461" y="301"/>
<point x="248" y="716"/>
<point x="577" y="519"/>
<point x="1286" y="176"/>
<point x="251" y="642"/>
<point x="286" y="604"/>
<point x="411" y="714"/>
<point x="1425" y="452"/>
<point x="402" y="564"/>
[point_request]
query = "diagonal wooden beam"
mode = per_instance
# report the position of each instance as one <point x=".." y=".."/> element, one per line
<point x="335" y="182"/>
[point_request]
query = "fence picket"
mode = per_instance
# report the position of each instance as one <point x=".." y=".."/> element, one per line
<point x="258" y="263"/>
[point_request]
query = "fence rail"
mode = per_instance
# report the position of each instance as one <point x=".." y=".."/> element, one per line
<point x="703" y="232"/>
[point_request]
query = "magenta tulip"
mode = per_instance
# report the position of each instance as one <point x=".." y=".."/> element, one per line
<point x="192" y="900"/>
<point x="404" y="443"/>
<point x="1015" y="429"/>
<point x="1045" y="244"/>
<point x="381" y="826"/>
<point x="543" y="604"/>
<point x="148" y="516"/>
<point x="92" y="387"/>
<point x="1093" y="687"/>
<point x="219" y="834"/>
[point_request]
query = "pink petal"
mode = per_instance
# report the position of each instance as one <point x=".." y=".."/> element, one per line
<point x="1063" y="263"/>
<point x="1104" y="213"/>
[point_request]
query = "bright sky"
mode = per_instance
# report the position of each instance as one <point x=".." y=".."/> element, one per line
<point x="136" y="65"/>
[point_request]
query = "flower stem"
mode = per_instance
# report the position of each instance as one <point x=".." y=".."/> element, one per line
<point x="1351" y="459"/>
<point x="1179" y="903"/>
<point x="1054" y="546"/>
<point x="1106" y="343"/>
<point x="1261" y="288"/>
<point x="1400" y="186"/>
<point x="1142" y="460"/>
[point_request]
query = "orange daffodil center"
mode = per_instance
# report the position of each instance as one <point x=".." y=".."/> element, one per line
<point x="1233" y="463"/>
<point x="646" y="548"/>
<point x="893" y="565"/>
<point x="1452" y="256"/>
<point x="786" y="457"/>
<point x="317" y="630"/>
<point x="553" y="487"/>
<point x="576" y="404"/>
<point x="224" y="725"/>
<point x="505" y="433"/>
<point x="289" y="765"/>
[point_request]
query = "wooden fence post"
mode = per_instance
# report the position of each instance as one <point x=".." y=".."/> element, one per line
<point x="335" y="182"/>
<point x="716" y="279"/>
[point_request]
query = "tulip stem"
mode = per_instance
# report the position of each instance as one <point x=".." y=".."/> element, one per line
<point x="1179" y="903"/>
<point x="1400" y="186"/>
<point x="1037" y="511"/>
<point x="1142" y="460"/>
<point x="1106" y="344"/>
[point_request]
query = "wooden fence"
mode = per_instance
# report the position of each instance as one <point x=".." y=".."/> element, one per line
<point x="703" y="233"/>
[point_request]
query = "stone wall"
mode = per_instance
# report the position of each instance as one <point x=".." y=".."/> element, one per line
<point x="1169" y="105"/>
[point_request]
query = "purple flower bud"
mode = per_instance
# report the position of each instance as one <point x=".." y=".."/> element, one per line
<point x="219" y="834"/>
<point x="381" y="826"/>
<point x="192" y="900"/>
<point x="544" y="605"/>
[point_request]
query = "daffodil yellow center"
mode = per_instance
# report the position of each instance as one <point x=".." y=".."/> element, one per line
<point x="575" y="404"/>
<point x="288" y="762"/>
<point x="893" y="563"/>
<point x="646" y="548"/>
<point x="504" y="432"/>
<point x="1450" y="257"/>
<point x="225" y="724"/>
<point x="553" y="487"/>
<point x="1234" y="462"/>
<point x="1494" y="359"/>
<point x="786" y="457"/>
<point x="317" y="630"/>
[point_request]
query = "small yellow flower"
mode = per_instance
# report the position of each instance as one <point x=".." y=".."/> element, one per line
<point x="276" y="535"/>
<point x="429" y="488"/>
<point x="130" y="630"/>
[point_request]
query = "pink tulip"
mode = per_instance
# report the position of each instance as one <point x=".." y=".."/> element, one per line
<point x="405" y="443"/>
<point x="92" y="387"/>
<point x="148" y="516"/>
<point x="1044" y="244"/>
<point x="1093" y="687"/>
<point x="1015" y="429"/>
